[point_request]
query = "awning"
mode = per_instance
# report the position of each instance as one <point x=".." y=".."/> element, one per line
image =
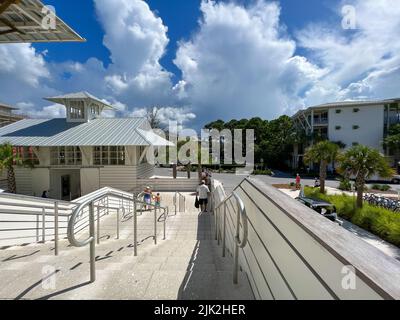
<point x="154" y="139"/>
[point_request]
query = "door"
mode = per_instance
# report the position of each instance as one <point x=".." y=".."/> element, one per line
<point x="65" y="187"/>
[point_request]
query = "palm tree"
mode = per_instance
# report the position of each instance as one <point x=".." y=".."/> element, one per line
<point x="323" y="152"/>
<point x="363" y="162"/>
<point x="7" y="161"/>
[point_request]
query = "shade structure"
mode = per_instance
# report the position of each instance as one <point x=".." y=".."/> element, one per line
<point x="32" y="21"/>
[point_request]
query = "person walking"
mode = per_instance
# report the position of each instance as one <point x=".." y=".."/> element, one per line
<point x="147" y="197"/>
<point x="157" y="200"/>
<point x="298" y="182"/>
<point x="202" y="192"/>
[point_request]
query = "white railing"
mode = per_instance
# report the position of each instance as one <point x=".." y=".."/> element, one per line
<point x="127" y="202"/>
<point x="179" y="203"/>
<point x="29" y="219"/>
<point x="294" y="254"/>
<point x="220" y="212"/>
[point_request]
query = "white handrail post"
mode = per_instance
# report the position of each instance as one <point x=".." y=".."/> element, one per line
<point x="215" y="218"/>
<point x="37" y="228"/>
<point x="92" y="243"/>
<point x="236" y="257"/>
<point x="175" y="200"/>
<point x="224" y="232"/>
<point x="118" y="224"/>
<point x="134" y="228"/>
<point x="43" y="225"/>
<point x="155" y="225"/>
<point x="218" y="213"/>
<point x="108" y="206"/>
<point x="56" y="228"/>
<point x="165" y="221"/>
<point x="98" y="225"/>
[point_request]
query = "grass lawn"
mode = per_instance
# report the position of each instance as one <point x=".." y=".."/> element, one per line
<point x="379" y="221"/>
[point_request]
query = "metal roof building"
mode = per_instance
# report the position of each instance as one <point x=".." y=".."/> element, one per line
<point x="82" y="152"/>
<point x="97" y="132"/>
<point x="32" y="21"/>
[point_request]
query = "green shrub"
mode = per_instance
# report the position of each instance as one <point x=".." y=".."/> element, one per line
<point x="345" y="185"/>
<point x="380" y="187"/>
<point x="382" y="222"/>
<point x="263" y="172"/>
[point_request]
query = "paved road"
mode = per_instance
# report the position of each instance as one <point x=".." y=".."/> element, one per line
<point x="230" y="181"/>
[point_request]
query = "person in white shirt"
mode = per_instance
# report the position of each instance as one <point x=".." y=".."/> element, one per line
<point x="202" y="193"/>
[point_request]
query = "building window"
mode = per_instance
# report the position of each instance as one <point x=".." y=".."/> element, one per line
<point x="27" y="155"/>
<point x="338" y="127"/>
<point x="338" y="111"/>
<point x="65" y="156"/>
<point x="356" y="127"/>
<point x="108" y="156"/>
<point x="77" y="110"/>
<point x="94" y="109"/>
<point x="355" y="110"/>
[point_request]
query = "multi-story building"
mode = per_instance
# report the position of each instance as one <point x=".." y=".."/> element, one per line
<point x="350" y="123"/>
<point x="7" y="115"/>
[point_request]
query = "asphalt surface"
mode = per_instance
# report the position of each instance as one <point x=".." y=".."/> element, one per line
<point x="231" y="181"/>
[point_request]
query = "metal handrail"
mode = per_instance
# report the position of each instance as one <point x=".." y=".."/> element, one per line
<point x="99" y="196"/>
<point x="177" y="193"/>
<point x="40" y="209"/>
<point x="241" y="216"/>
<point x="77" y="211"/>
<point x="35" y="199"/>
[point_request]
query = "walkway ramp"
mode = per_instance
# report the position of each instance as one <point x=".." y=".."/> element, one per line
<point x="186" y="265"/>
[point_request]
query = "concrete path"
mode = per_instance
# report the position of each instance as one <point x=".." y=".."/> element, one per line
<point x="372" y="239"/>
<point x="186" y="265"/>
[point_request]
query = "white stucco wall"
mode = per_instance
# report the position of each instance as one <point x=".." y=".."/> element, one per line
<point x="40" y="181"/>
<point x="23" y="178"/>
<point x="90" y="180"/>
<point x="370" y="120"/>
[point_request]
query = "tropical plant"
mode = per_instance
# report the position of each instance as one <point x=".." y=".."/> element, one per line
<point x="392" y="141"/>
<point x="323" y="152"/>
<point x="8" y="159"/>
<point x="363" y="162"/>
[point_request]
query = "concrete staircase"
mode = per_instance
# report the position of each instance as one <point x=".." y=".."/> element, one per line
<point x="187" y="265"/>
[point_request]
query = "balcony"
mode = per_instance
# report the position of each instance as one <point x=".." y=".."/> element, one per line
<point x="321" y="122"/>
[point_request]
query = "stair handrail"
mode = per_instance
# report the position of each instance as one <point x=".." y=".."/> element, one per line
<point x="98" y="196"/>
<point x="177" y="193"/>
<point x="241" y="216"/>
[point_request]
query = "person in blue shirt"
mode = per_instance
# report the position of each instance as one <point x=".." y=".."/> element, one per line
<point x="147" y="197"/>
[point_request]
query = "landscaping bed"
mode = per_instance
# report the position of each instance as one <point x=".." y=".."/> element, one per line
<point x="379" y="221"/>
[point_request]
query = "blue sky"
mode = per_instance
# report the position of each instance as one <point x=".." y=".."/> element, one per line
<point x="202" y="60"/>
<point x="181" y="17"/>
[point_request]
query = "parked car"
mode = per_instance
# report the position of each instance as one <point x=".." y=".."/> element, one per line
<point x="393" y="179"/>
<point x="396" y="179"/>
<point x="326" y="209"/>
